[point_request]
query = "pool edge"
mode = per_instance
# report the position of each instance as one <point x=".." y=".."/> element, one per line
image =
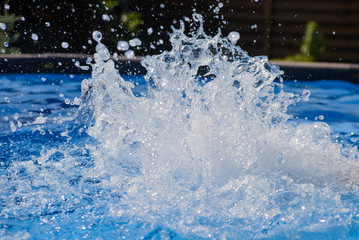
<point x="65" y="63"/>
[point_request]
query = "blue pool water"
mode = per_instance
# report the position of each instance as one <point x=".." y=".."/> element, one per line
<point x="47" y="209"/>
<point x="24" y="97"/>
<point x="209" y="144"/>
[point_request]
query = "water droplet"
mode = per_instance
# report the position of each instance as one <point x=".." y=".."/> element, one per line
<point x="40" y="120"/>
<point x="334" y="32"/>
<point x="220" y="5"/>
<point x="162" y="5"/>
<point x="34" y="37"/>
<point x="7" y="6"/>
<point x="12" y="126"/>
<point x="122" y="46"/>
<point x="254" y="26"/>
<point x="149" y="31"/>
<point x="6" y="44"/>
<point x="64" y="45"/>
<point x="97" y="36"/>
<point x="130" y="54"/>
<point x="135" y="42"/>
<point x="77" y="101"/>
<point x="106" y="17"/>
<point x="103" y="51"/>
<point x="47" y="24"/>
<point x="7" y="99"/>
<point x="306" y="95"/>
<point x="321" y="117"/>
<point x="3" y="26"/>
<point x="233" y="36"/>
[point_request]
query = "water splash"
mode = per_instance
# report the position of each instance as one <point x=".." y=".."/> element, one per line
<point x="208" y="151"/>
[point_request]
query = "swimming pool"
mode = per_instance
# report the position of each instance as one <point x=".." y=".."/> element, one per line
<point x="205" y="145"/>
<point x="31" y="123"/>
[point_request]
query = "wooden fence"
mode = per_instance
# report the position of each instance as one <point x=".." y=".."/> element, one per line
<point x="271" y="27"/>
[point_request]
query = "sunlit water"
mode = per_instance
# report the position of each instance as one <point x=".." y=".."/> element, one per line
<point x="208" y="144"/>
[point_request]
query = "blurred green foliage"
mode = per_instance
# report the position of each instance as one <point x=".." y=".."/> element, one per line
<point x="7" y="34"/>
<point x="312" y="48"/>
<point x="131" y="21"/>
<point x="122" y="19"/>
<point x="111" y="4"/>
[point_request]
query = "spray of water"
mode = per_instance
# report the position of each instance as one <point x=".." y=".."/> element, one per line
<point x="208" y="150"/>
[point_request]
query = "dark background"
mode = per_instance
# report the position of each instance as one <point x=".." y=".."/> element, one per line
<point x="271" y="27"/>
